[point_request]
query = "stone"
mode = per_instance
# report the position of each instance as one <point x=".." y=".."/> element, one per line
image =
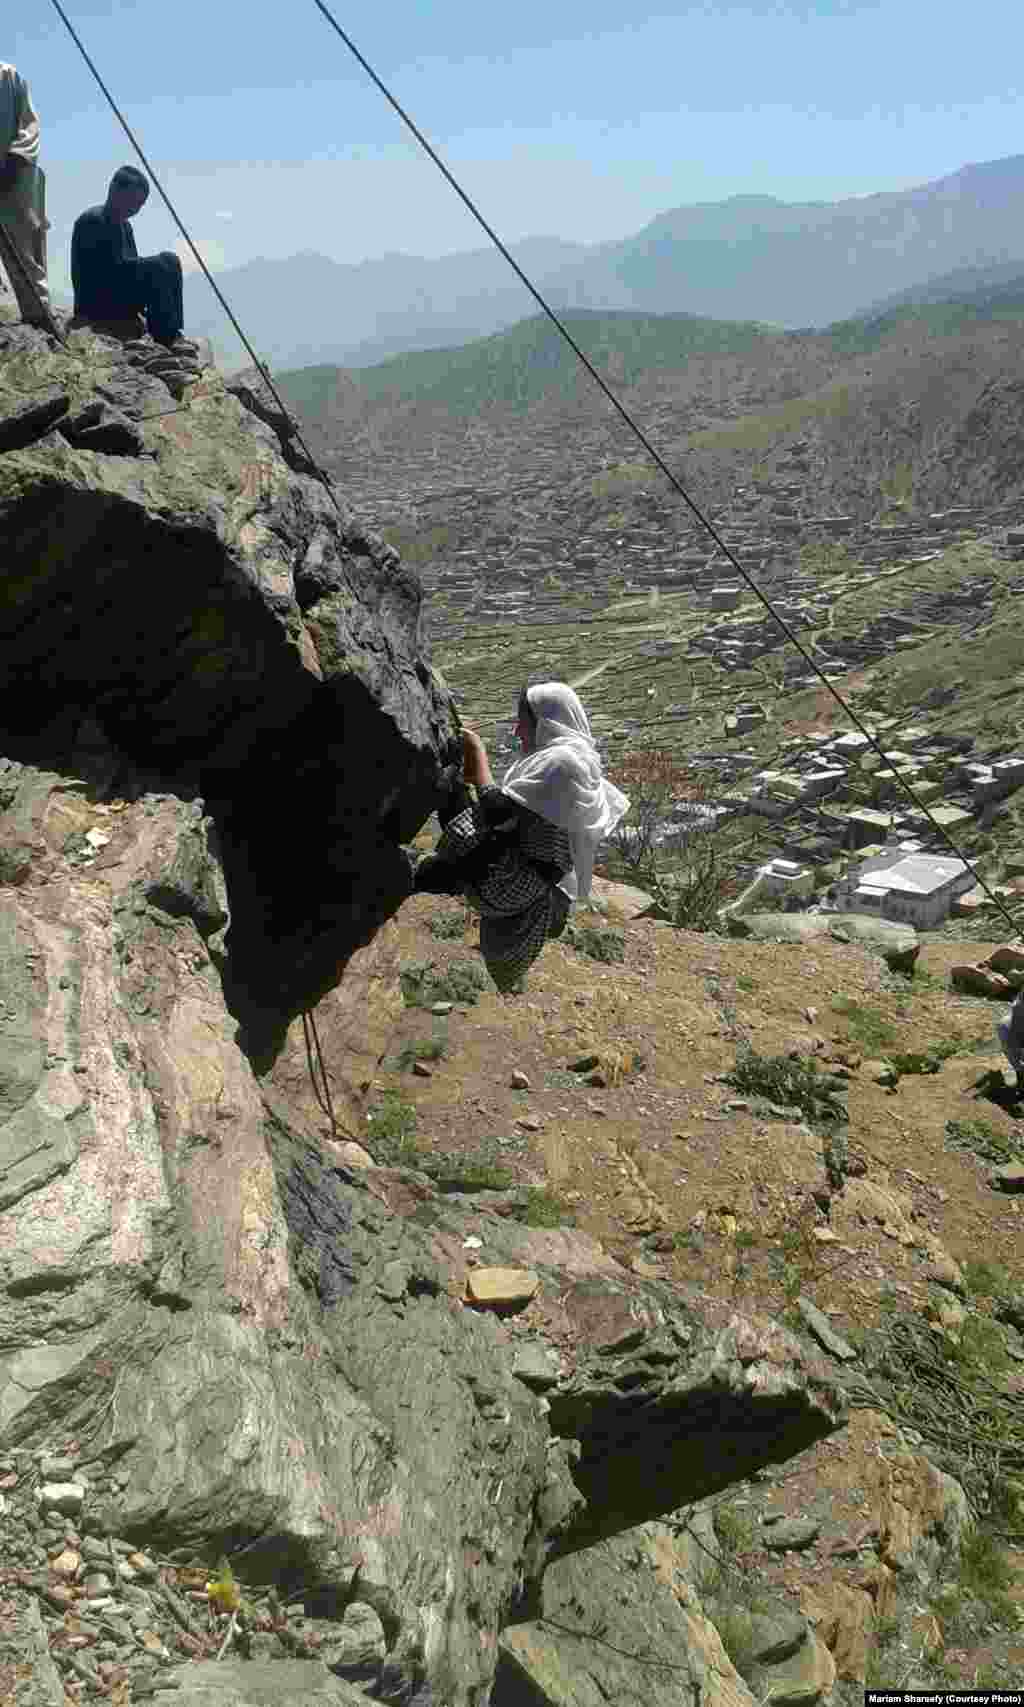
<point x="882" y="1073"/>
<point x="535" y="1364"/>
<point x="979" y="981"/>
<point x="255" y="1683"/>
<point x="66" y="1562"/>
<point x="1010" y="1177"/>
<point x="508" y="1288"/>
<point x="843" y="1618"/>
<point x="67" y="1497"/>
<point x="622" y="900"/>
<point x="56" y="1469"/>
<point x="519" y="1080"/>
<point x="922" y="1514"/>
<point x="898" y="944"/>
<point x="775" y="1636"/>
<point x="23" y="419"/>
<point x="790" y="1534"/>
<point x="824" y="1333"/>
<point x="1008" y="960"/>
<point x="800" y="1681"/>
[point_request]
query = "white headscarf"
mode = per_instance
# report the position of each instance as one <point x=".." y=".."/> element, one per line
<point x="562" y="780"/>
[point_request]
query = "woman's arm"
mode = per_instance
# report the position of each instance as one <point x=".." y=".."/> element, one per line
<point x="476" y="765"/>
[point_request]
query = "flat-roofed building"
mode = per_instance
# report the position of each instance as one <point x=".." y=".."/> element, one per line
<point x="917" y="889"/>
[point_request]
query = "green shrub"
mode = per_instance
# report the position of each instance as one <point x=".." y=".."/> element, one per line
<point x="793" y="1081"/>
<point x="420" y="1049"/>
<point x="538" y="1207"/>
<point x="865" y="1026"/>
<point x="471" y="1172"/>
<point x="600" y="942"/>
<point x="450" y="926"/>
<point x="391" y="1129"/>
<point x="424" y="983"/>
<point x="982" y="1140"/>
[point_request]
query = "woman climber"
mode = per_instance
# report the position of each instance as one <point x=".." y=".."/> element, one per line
<point x="524" y="851"/>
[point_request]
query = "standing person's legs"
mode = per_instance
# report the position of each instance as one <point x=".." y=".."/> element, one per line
<point x="23" y="216"/>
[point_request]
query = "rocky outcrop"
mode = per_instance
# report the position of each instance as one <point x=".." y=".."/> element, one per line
<point x="225" y="1337"/>
<point x="230" y="627"/>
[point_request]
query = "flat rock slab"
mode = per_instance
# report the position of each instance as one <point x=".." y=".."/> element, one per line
<point x="624" y="899"/>
<point x="791" y="1534"/>
<point x="506" y="1288"/>
<point x="256" y="1683"/>
<point x="897" y="944"/>
<point x="821" y="1328"/>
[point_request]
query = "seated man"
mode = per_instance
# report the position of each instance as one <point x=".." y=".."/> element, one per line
<point x="111" y="281"/>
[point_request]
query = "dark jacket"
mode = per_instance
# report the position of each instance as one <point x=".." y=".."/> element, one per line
<point x="103" y="270"/>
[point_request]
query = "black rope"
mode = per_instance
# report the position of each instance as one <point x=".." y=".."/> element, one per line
<point x="321" y="1087"/>
<point x="261" y="369"/>
<point x="649" y="447"/>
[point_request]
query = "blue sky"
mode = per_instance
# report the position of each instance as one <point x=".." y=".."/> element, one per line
<point x="581" y="120"/>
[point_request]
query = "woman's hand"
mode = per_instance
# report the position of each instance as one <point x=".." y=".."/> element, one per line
<point x="475" y="765"/>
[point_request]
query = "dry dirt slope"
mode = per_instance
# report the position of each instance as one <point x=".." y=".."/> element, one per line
<point x="680" y="1175"/>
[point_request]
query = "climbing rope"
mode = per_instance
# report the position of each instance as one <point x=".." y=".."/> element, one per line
<point x="655" y="455"/>
<point x="321" y="1084"/>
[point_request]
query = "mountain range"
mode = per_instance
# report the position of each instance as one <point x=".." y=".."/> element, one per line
<point x="747" y="258"/>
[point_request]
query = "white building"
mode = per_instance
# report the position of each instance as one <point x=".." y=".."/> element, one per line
<point x="915" y="888"/>
<point x="785" y="877"/>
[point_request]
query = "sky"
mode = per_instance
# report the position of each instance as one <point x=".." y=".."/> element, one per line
<point x="576" y="120"/>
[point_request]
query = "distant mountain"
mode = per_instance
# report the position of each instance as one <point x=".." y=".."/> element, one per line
<point x="747" y="258"/>
<point x="985" y="284"/>
<point x="309" y="309"/>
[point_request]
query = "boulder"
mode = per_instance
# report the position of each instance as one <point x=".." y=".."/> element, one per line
<point x="800" y="1681"/>
<point x="824" y="1333"/>
<point x="980" y="981"/>
<point x="502" y="1288"/>
<point x="1009" y="960"/>
<point x="290" y="624"/>
<point x="922" y="1515"/>
<point x="897" y="944"/>
<point x="655" y="1649"/>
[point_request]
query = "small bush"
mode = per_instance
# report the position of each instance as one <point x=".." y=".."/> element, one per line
<point x="982" y="1140"/>
<point x="450" y="926"/>
<point x="420" y="1049"/>
<point x="792" y="1081"/>
<point x="988" y="1279"/>
<point x="733" y="1528"/>
<point x="391" y="1129"/>
<point x="539" y="1207"/>
<point x="599" y="942"/>
<point x="865" y="1026"/>
<point x="471" y="1172"/>
<point x="424" y="983"/>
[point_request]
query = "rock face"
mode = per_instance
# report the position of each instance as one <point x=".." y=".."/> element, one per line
<point x="229" y="628"/>
<point x="227" y="1339"/>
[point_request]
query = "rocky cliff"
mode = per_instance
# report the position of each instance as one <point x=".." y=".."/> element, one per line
<point x="219" y="1333"/>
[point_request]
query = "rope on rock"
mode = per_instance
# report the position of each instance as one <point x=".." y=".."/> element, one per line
<point x="655" y="455"/>
<point x="322" y="1084"/>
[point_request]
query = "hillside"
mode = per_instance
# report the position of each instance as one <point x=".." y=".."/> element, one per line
<point x="746" y="258"/>
<point x="901" y="403"/>
<point x="527" y="365"/>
